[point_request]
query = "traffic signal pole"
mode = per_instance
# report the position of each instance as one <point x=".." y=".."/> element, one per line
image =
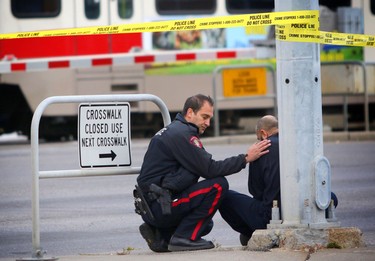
<point x="304" y="171"/>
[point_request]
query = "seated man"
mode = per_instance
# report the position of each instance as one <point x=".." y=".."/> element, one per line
<point x="245" y="214"/>
<point x="179" y="207"/>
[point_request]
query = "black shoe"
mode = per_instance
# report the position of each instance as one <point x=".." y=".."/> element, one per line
<point x="244" y="239"/>
<point x="152" y="236"/>
<point x="184" y="244"/>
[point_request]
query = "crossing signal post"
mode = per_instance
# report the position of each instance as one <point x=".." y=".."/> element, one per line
<point x="304" y="171"/>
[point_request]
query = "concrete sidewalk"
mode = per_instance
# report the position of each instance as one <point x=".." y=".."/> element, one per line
<point x="225" y="254"/>
<point x="229" y="251"/>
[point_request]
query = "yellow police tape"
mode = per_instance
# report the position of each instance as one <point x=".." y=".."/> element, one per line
<point x="304" y="33"/>
<point x="310" y="16"/>
<point x="299" y="26"/>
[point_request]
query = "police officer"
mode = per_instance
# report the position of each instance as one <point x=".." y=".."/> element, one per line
<point x="182" y="207"/>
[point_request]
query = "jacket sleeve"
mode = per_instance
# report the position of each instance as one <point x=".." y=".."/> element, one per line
<point x="179" y="180"/>
<point x="197" y="160"/>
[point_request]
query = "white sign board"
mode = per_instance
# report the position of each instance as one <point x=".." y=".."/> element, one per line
<point x="104" y="131"/>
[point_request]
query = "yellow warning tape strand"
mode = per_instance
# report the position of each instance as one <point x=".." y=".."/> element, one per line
<point x="296" y="26"/>
<point x="348" y="39"/>
<point x="304" y="33"/>
<point x="309" y="16"/>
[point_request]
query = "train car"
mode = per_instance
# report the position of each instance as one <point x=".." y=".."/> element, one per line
<point x="100" y="67"/>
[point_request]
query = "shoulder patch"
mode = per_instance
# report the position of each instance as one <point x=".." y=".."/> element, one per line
<point x="196" y="142"/>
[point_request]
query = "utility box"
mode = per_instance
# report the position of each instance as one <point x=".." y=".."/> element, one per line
<point x="342" y="79"/>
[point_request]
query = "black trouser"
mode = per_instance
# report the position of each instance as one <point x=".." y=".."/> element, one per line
<point x="192" y="210"/>
<point x="246" y="214"/>
<point x="243" y="213"/>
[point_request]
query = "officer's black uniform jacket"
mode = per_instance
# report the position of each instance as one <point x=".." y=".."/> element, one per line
<point x="177" y="149"/>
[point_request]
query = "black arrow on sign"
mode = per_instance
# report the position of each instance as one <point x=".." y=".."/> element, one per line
<point x="108" y="155"/>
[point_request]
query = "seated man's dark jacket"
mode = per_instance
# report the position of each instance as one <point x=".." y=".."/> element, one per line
<point x="175" y="153"/>
<point x="264" y="177"/>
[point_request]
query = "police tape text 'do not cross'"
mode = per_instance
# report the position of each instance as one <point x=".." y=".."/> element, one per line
<point x="104" y="131"/>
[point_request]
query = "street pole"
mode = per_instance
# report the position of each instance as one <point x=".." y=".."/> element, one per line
<point x="304" y="171"/>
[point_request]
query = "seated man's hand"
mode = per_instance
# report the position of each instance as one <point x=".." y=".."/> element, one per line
<point x="257" y="150"/>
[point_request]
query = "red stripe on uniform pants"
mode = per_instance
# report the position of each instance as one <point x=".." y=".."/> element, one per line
<point x="210" y="211"/>
<point x="191" y="195"/>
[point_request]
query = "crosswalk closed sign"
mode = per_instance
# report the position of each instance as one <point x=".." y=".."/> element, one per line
<point x="104" y="135"/>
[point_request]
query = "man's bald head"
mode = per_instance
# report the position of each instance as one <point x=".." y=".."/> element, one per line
<point x="266" y="126"/>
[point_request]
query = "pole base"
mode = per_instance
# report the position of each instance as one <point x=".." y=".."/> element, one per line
<point x="305" y="238"/>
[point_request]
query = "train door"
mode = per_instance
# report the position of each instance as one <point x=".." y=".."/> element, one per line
<point x="107" y="12"/>
<point x="369" y="29"/>
<point x="109" y="79"/>
<point x="91" y="13"/>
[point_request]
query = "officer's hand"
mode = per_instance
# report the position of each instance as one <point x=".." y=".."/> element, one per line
<point x="257" y="150"/>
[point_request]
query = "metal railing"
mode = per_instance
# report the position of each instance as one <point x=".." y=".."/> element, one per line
<point x="217" y="99"/>
<point x="346" y="94"/>
<point x="37" y="174"/>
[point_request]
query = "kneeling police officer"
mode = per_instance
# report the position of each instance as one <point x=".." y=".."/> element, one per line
<point x="176" y="207"/>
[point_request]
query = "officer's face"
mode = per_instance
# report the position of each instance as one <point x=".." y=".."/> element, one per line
<point x="202" y="117"/>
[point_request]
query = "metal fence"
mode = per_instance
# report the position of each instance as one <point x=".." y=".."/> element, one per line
<point x="347" y="93"/>
<point x="37" y="174"/>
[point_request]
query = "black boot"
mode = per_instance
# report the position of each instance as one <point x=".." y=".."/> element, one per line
<point x="184" y="244"/>
<point x="244" y="239"/>
<point x="153" y="238"/>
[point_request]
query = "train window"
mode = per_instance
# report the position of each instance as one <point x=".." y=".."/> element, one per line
<point x="372" y="6"/>
<point x="249" y="6"/>
<point x="333" y="4"/>
<point x="92" y="9"/>
<point x="176" y="7"/>
<point x="125" y="8"/>
<point x="35" y="8"/>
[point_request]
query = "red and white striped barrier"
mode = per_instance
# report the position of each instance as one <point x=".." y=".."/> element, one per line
<point x="11" y="64"/>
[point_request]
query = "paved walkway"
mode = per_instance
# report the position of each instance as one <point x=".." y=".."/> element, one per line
<point x="227" y="253"/>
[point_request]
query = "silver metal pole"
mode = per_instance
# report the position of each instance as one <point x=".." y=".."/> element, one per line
<point x="367" y="109"/>
<point x="300" y="125"/>
<point x="89" y="172"/>
<point x="34" y="136"/>
<point x="346" y="114"/>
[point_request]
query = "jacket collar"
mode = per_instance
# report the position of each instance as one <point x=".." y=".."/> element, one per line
<point x="181" y="118"/>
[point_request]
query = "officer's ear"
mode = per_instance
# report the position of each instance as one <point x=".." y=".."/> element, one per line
<point x="189" y="113"/>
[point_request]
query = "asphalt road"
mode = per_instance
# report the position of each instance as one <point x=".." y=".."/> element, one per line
<point x="96" y="214"/>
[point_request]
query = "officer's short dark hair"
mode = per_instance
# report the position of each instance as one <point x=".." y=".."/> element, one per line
<point x="196" y="102"/>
